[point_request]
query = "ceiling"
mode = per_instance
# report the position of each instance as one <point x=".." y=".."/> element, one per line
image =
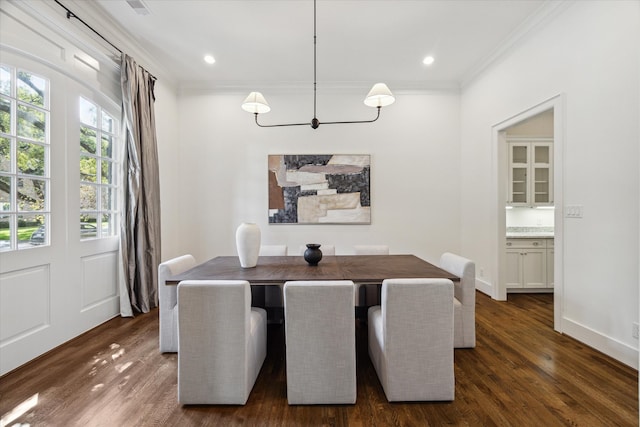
<point x="262" y="43"/>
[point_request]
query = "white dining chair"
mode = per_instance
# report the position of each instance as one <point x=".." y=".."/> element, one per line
<point x="223" y="342"/>
<point x="464" y="302"/>
<point x="273" y="250"/>
<point x="320" y="342"/>
<point x="168" y="299"/>
<point x="411" y="339"/>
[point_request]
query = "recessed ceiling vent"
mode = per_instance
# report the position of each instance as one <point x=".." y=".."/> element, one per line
<point x="139" y="7"/>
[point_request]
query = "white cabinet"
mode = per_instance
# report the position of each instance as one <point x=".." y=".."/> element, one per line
<point x="527" y="264"/>
<point x="530" y="173"/>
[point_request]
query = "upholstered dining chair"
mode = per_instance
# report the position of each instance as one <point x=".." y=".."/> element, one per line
<point x="411" y="339"/>
<point x="464" y="303"/>
<point x="273" y="250"/>
<point x="320" y="342"/>
<point x="167" y="295"/>
<point x="223" y="342"/>
<point x="368" y="295"/>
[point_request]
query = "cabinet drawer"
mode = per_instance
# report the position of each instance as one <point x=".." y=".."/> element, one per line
<point x="550" y="243"/>
<point x="526" y="243"/>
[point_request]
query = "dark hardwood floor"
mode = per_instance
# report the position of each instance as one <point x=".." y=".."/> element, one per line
<point x="521" y="373"/>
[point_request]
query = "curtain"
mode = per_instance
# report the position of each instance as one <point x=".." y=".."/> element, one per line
<point x="140" y="221"/>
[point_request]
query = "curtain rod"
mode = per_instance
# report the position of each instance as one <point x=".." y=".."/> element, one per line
<point x="70" y="15"/>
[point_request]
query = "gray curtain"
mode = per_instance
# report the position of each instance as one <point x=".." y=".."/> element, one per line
<point x="140" y="224"/>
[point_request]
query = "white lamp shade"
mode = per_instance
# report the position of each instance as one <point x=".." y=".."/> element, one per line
<point x="255" y="103"/>
<point x="379" y="96"/>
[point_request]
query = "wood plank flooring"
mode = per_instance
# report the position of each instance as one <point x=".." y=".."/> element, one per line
<point x="521" y="373"/>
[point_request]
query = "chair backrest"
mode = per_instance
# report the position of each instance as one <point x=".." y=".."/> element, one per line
<point x="327" y="250"/>
<point x="465" y="290"/>
<point x="167" y="294"/>
<point x="417" y="322"/>
<point x="214" y="326"/>
<point x="223" y="305"/>
<point x="320" y="342"/>
<point x="273" y="250"/>
<point x="371" y="249"/>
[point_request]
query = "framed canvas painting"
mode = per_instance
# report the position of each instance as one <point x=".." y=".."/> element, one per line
<point x="319" y="189"/>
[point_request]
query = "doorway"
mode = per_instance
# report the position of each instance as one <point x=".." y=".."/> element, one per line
<point x="537" y="204"/>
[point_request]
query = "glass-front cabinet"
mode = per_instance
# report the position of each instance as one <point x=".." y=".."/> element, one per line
<point x="530" y="172"/>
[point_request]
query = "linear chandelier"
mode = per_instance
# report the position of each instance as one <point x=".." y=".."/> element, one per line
<point x="379" y="96"/>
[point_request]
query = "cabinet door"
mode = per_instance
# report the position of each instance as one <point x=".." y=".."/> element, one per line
<point x="513" y="276"/>
<point x="534" y="268"/>
<point x="542" y="179"/>
<point x="519" y="158"/>
<point x="550" y="268"/>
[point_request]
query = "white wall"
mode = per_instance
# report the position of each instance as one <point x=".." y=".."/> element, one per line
<point x="415" y="158"/>
<point x="589" y="54"/>
<point x="169" y="151"/>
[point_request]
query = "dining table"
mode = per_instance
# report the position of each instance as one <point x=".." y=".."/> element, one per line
<point x="271" y="270"/>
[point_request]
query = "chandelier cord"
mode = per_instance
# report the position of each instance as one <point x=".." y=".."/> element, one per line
<point x="315" y="123"/>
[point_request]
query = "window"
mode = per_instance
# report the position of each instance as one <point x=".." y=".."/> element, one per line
<point x="24" y="159"/>
<point x="98" y="189"/>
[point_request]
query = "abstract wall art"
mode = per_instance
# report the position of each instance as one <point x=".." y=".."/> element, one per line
<point x="319" y="189"/>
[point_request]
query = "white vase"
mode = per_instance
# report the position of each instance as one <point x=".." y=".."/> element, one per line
<point x="248" y="244"/>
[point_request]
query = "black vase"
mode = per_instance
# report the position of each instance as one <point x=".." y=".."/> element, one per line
<point x="313" y="254"/>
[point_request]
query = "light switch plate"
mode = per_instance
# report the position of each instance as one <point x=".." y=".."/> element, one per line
<point x="573" y="211"/>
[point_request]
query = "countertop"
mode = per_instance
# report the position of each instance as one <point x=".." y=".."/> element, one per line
<point x="530" y="232"/>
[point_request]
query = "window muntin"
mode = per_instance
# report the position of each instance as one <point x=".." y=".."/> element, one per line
<point x="97" y="171"/>
<point x="24" y="157"/>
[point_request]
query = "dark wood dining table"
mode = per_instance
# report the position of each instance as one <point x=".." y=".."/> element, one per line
<point x="270" y="270"/>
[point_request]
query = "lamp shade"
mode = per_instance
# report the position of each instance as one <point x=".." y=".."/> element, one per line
<point x="379" y="96"/>
<point x="255" y="103"/>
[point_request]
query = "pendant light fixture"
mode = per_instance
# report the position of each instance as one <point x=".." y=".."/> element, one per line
<point x="379" y="96"/>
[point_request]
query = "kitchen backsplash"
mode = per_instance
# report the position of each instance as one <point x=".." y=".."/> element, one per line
<point x="529" y="217"/>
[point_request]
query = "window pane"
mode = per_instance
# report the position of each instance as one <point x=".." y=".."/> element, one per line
<point x="88" y="229"/>
<point x="87" y="140"/>
<point x="107" y="172"/>
<point x="108" y="225"/>
<point x="5" y="155"/>
<point x="5" y="233"/>
<point x="30" y="158"/>
<point x="5" y="80"/>
<point x="107" y="146"/>
<point x="88" y="113"/>
<point x="107" y="199"/>
<point x="88" y="198"/>
<point x="31" y="123"/>
<point x="5" y="115"/>
<point x="31" y="88"/>
<point x="31" y="194"/>
<point x="31" y="231"/>
<point x="88" y="169"/>
<point x="5" y="193"/>
<point x="108" y="124"/>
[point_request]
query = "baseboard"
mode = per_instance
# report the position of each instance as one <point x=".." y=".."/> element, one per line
<point x="484" y="287"/>
<point x="607" y="345"/>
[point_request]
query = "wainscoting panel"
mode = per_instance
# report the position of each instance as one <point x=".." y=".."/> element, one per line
<point x="99" y="279"/>
<point x="24" y="303"/>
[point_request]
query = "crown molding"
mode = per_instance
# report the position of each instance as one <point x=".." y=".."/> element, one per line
<point x="543" y="16"/>
<point x="332" y="87"/>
